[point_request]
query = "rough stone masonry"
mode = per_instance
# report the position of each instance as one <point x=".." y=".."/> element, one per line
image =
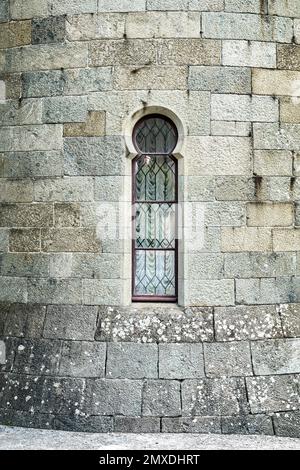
<point x="79" y="356"/>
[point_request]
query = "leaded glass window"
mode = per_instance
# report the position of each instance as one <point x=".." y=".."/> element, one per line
<point x="154" y="210"/>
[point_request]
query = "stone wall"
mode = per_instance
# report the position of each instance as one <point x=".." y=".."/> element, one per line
<point x="75" y="75"/>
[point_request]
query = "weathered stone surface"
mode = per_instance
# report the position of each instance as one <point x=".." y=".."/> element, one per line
<point x="266" y="290"/>
<point x="4" y="11"/>
<point x="275" y="82"/>
<point x="82" y="359"/>
<point x="14" y="113"/>
<point x="286" y="239"/>
<point x="276" y="356"/>
<point x="66" y="109"/>
<point x="114" y="397"/>
<point x="13" y="85"/>
<point x="274" y="393"/>
<point x="220" y="79"/>
<point x="136" y="425"/>
<point x="70" y="239"/>
<point x="54" y="291"/>
<point x="4" y="240"/>
<point x="155" y="325"/>
<point x="270" y="215"/>
<point x="189" y="52"/>
<point x="231" y="128"/>
<point x="16" y="191"/>
<point x="46" y="56"/>
<point x="167" y="4"/>
<point x="14" y="34"/>
<point x="212" y="292"/>
<point x="290" y="316"/>
<point x="101" y="424"/>
<point x="122" y="52"/>
<point x="288" y="57"/>
<point x="30" y="138"/>
<point x="67" y="215"/>
<point x="21" y="392"/>
<point x="102" y="291"/>
<point x="290" y="8"/>
<point x="211" y="397"/>
<point x="227" y="359"/>
<point x="287" y="424"/>
<point x="108" y="188"/>
<point x="38" y="84"/>
<point x="70" y="322"/>
<point x="181" y="361"/>
<point x="245" y="54"/>
<point x="245" y="6"/>
<point x="244" y="108"/>
<point x="154" y="77"/>
<point x="248" y="424"/>
<point x="249" y="27"/>
<point x="205" y="266"/>
<point x="26" y="215"/>
<point x="197" y="424"/>
<point x="271" y="136"/>
<point x="79" y="189"/>
<point x="233" y="188"/>
<point x="125" y="5"/>
<point x="163" y="25"/>
<point x="93" y="127"/>
<point x="24" y="264"/>
<point x="161" y="398"/>
<point x="82" y="81"/>
<point x="48" y="30"/>
<point x="273" y="162"/>
<point x="23" y="320"/>
<point x="289" y="110"/>
<point x="25" y="240"/>
<point x="247" y="323"/>
<point x="21" y="10"/>
<point x="62" y="395"/>
<point x="100" y="26"/>
<point x="37" y="356"/>
<point x="214" y="156"/>
<point x="31" y="164"/>
<point x="88" y="156"/>
<point x="85" y="265"/>
<point x="13" y="289"/>
<point x="258" y="264"/>
<point x="238" y="239"/>
<point x="71" y="7"/>
<point x="132" y="361"/>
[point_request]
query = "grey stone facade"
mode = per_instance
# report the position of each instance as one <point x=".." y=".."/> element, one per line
<point x="76" y="77"/>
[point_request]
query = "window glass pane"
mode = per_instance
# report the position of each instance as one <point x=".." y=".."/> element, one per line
<point x="155" y="273"/>
<point x="155" y="178"/>
<point x="155" y="134"/>
<point x="155" y="225"/>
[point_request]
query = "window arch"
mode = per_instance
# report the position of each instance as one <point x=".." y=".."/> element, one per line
<point x="154" y="200"/>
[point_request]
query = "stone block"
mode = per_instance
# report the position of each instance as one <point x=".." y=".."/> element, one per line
<point x="248" y="424"/>
<point x="203" y="5"/>
<point x="231" y="128"/>
<point x="273" y="393"/>
<point x="4" y="240"/>
<point x="13" y="85"/>
<point x="290" y="317"/>
<point x="270" y="214"/>
<point x="108" y="188"/>
<point x="289" y="110"/>
<point x="70" y="240"/>
<point x="48" y="30"/>
<point x="161" y="5"/>
<point x="181" y="361"/>
<point x="15" y="34"/>
<point x="102" y="291"/>
<point x="160" y="24"/>
<point x="286" y="239"/>
<point x="126" y="424"/>
<point x="220" y="79"/>
<point x="213" y="397"/>
<point x="205" y="266"/>
<point x="125" y="5"/>
<point x="154" y="77"/>
<point x="67" y="215"/>
<point x="24" y="264"/>
<point x="100" y="26"/>
<point x="23" y="320"/>
<point x="13" y="289"/>
<point x="37" y="356"/>
<point x="16" y="113"/>
<point x="93" y="424"/>
<point x="93" y="127"/>
<point x="30" y="138"/>
<point x="297" y="31"/>
<point x="66" y="109"/>
<point x="266" y="290"/>
<point x="136" y="52"/>
<point x="189" y="52"/>
<point x="26" y="215"/>
<point x="245" y="6"/>
<point x="281" y="356"/>
<point x="54" y="291"/>
<point x="273" y="162"/>
<point x="38" y="84"/>
<point x="275" y="82"/>
<point x="82" y="359"/>
<point x="238" y="239"/>
<point x="132" y="361"/>
<point x="47" y="57"/>
<point x="62" y="395"/>
<point x="114" y="397"/>
<point x="249" y="54"/>
<point x="161" y="398"/>
<point x="158" y="324"/>
<point x="85" y="81"/>
<point x="244" y="108"/>
<point x="247" y="27"/>
<point x="290" y="8"/>
<point x="71" y="7"/>
<point x="88" y="156"/>
<point x="227" y="359"/>
<point x="16" y="191"/>
<point x="22" y="392"/>
<point x="257" y="264"/>
<point x="21" y="10"/>
<point x="25" y="240"/>
<point x="31" y="164"/>
<point x="288" y="57"/>
<point x="4" y="11"/>
<point x="79" y="189"/>
<point x="287" y="424"/>
<point x="219" y="156"/>
<point x="196" y="424"/>
<point x="76" y="322"/>
<point x="224" y="213"/>
<point x="86" y="265"/>
<point x="212" y="292"/>
<point x="234" y="188"/>
<point x="247" y="323"/>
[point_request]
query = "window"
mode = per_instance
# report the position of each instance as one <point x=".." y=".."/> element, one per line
<point x="155" y="197"/>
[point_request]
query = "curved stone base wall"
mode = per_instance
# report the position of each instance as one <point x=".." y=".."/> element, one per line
<point x="202" y="370"/>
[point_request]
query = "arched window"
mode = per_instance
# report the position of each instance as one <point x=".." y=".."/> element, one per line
<point x="155" y="197"/>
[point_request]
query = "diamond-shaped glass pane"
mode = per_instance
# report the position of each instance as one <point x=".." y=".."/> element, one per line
<point x="155" y="225"/>
<point x="155" y="134"/>
<point x="155" y="273"/>
<point x="155" y="178"/>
